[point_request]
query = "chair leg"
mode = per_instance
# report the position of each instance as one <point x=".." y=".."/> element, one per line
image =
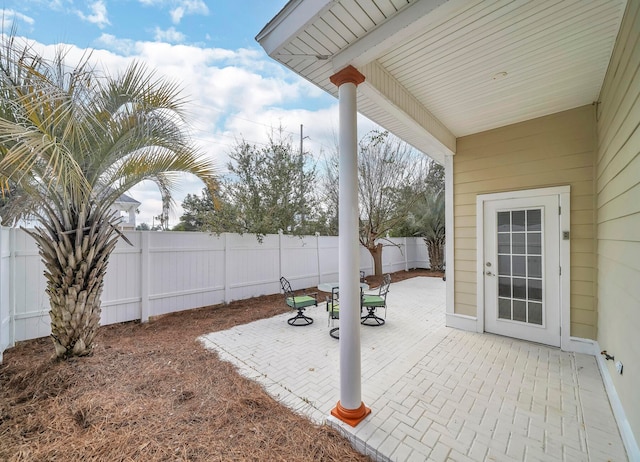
<point x="371" y="319"/>
<point x="300" y="319"/>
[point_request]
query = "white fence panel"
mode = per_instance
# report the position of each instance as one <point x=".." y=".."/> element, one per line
<point x="299" y="260"/>
<point x="185" y="271"/>
<point x="253" y="267"/>
<point x="417" y="251"/>
<point x="393" y="255"/>
<point x="328" y="258"/>
<point x="31" y="316"/>
<point x="6" y="337"/>
<point x="174" y="271"/>
<point x="121" y="295"/>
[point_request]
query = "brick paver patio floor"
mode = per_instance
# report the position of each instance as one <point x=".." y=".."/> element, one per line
<point x="436" y="393"/>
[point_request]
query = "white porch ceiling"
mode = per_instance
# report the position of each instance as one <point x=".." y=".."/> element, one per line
<point x="437" y="70"/>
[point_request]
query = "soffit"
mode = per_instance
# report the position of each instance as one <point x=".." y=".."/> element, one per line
<point x="473" y="65"/>
<point x="554" y="53"/>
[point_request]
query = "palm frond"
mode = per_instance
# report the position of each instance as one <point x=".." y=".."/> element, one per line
<point x="78" y="139"/>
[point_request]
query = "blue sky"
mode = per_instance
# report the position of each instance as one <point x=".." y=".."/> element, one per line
<point x="208" y="46"/>
<point x="223" y="24"/>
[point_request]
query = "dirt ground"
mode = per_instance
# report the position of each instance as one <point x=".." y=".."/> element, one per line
<point x="151" y="392"/>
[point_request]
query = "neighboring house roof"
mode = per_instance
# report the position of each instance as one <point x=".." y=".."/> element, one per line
<point x="438" y="70"/>
<point x="124" y="199"/>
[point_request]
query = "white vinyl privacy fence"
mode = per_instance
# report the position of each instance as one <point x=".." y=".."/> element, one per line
<point x="164" y="272"/>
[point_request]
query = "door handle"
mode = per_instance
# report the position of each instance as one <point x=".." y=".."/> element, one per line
<point x="489" y="273"/>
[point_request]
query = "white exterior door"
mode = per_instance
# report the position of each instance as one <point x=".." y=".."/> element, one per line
<point x="522" y="268"/>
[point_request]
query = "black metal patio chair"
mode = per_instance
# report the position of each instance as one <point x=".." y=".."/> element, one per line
<point x="374" y="301"/>
<point x="333" y="307"/>
<point x="298" y="302"/>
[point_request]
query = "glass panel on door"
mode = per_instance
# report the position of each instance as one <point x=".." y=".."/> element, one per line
<point x="520" y="265"/>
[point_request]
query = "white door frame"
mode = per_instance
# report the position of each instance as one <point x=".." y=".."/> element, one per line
<point x="563" y="193"/>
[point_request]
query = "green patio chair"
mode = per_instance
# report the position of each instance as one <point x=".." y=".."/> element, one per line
<point x="373" y="301"/>
<point x="298" y="302"/>
<point x="333" y="308"/>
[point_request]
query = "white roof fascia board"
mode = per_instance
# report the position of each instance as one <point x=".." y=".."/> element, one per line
<point x="409" y="22"/>
<point x="126" y="199"/>
<point x="289" y="22"/>
<point x="381" y="87"/>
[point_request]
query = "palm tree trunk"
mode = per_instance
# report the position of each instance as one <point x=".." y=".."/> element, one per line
<point x="75" y="270"/>
<point x="435" y="249"/>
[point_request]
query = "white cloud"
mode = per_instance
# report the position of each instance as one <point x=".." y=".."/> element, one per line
<point x="55" y="3"/>
<point x="10" y="17"/>
<point x="125" y="47"/>
<point x="177" y="14"/>
<point x="98" y="15"/>
<point x="170" y="35"/>
<point x="188" y="7"/>
<point x="232" y="94"/>
<point x="179" y="8"/>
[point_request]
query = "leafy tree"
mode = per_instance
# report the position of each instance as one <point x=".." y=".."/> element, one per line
<point x="71" y="142"/>
<point x="331" y="192"/>
<point x="163" y="218"/>
<point x="143" y="227"/>
<point x="209" y="212"/>
<point x="427" y="218"/>
<point x="427" y="221"/>
<point x="435" y="177"/>
<point x="269" y="189"/>
<point x="196" y="211"/>
<point x="391" y="178"/>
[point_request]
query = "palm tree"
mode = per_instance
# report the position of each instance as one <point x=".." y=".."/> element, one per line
<point x="71" y="142"/>
<point x="427" y="221"/>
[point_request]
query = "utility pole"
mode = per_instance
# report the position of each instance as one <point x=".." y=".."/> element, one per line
<point x="301" y="139"/>
<point x="301" y="176"/>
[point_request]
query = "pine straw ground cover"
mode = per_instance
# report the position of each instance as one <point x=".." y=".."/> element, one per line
<point x="151" y="392"/>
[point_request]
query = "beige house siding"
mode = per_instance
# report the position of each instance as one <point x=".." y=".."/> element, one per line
<point x="618" y="214"/>
<point x="555" y="150"/>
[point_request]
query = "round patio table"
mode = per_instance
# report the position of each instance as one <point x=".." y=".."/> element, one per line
<point x="328" y="287"/>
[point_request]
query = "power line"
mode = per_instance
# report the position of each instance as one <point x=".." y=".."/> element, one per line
<point x="198" y="132"/>
<point x="232" y="116"/>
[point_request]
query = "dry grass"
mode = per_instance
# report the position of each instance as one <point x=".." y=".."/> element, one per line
<point x="151" y="392"/>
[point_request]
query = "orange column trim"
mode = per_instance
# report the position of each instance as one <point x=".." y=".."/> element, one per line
<point x="351" y="416"/>
<point x="347" y="75"/>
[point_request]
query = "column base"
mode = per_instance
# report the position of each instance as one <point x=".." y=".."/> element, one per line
<point x="350" y="416"/>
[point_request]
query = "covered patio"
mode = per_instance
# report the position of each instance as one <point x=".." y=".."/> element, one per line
<point x="532" y="108"/>
<point x="437" y="393"/>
